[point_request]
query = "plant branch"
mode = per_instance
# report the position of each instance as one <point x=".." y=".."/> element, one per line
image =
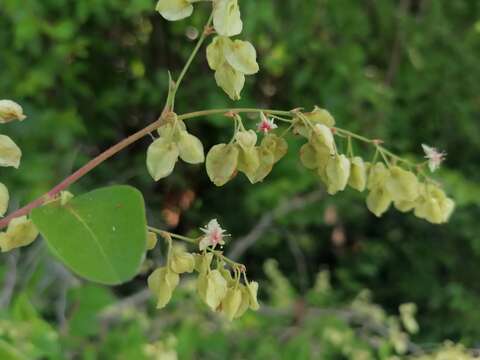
<point x="92" y="164"/>
<point x="98" y="160"/>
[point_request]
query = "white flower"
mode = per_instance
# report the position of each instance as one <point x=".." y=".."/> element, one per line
<point x="213" y="235"/>
<point x="435" y="157"/>
<point x="265" y="124"/>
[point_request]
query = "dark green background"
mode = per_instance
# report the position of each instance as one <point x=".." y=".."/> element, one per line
<point x="90" y="72"/>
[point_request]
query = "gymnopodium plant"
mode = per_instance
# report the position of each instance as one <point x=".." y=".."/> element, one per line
<point x="103" y="235"/>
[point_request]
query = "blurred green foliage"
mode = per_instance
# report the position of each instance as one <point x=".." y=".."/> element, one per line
<point x="88" y="73"/>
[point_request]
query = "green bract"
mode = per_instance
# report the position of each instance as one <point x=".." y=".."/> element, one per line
<point x="202" y="262"/>
<point x="20" y="232"/>
<point x="152" y="239"/>
<point x="337" y="173"/>
<point x="377" y="175"/>
<point x="433" y="205"/>
<point x="10" y="153"/>
<point x="4" y="199"/>
<point x="322" y="116"/>
<point x="277" y="145"/>
<point x="248" y="157"/>
<point x="231" y="302"/>
<point x="230" y="80"/>
<point x="162" y="282"/>
<point x="322" y="139"/>
<point x="378" y="201"/>
<point x="253" y="290"/>
<point x="162" y="155"/>
<point x="174" y="142"/>
<point x="212" y="288"/>
<point x="190" y="148"/>
<point x="221" y="163"/>
<point x="245" y="303"/>
<point x="174" y="9"/>
<point x="226" y="17"/>
<point x="181" y="261"/>
<point x="401" y="184"/>
<point x="308" y="156"/>
<point x="404" y="206"/>
<point x="241" y="55"/>
<point x="358" y="174"/>
<point x="265" y="166"/>
<point x="231" y="60"/>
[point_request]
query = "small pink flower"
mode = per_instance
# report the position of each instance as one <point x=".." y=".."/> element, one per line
<point x="435" y="157"/>
<point x="265" y="125"/>
<point x="213" y="235"/>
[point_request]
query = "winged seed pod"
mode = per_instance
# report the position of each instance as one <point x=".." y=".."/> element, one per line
<point x="322" y="139"/>
<point x="174" y="9"/>
<point x="212" y="288"/>
<point x="231" y="302"/>
<point x="162" y="156"/>
<point x="402" y="185"/>
<point x="245" y="303"/>
<point x="226" y="17"/>
<point x="377" y="175"/>
<point x="253" y="291"/>
<point x="322" y="116"/>
<point x="433" y="205"/>
<point x="248" y="157"/>
<point x="181" y="261"/>
<point x="277" y="145"/>
<point x="162" y="282"/>
<point x="4" y="199"/>
<point x="10" y="153"/>
<point x="221" y="163"/>
<point x="20" y="232"/>
<point x="265" y="165"/>
<point x="378" y="200"/>
<point x="358" y="174"/>
<point x="190" y="148"/>
<point x="404" y="206"/>
<point x="152" y="240"/>
<point x="203" y="262"/>
<point x="242" y="56"/>
<point x="308" y="156"/>
<point x="230" y="80"/>
<point x="337" y="173"/>
<point x="231" y="61"/>
<point x="10" y="111"/>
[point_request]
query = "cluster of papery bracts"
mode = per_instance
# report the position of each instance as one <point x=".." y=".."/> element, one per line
<point x="221" y="283"/>
<point x="21" y="231"/>
<point x="386" y="180"/>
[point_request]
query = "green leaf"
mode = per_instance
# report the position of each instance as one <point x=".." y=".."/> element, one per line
<point x="100" y="235"/>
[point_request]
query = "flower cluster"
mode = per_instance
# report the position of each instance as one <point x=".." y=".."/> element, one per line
<point x="21" y="231"/>
<point x="387" y="182"/>
<point x="174" y="142"/>
<point x="230" y="59"/>
<point x="219" y="284"/>
<point x="242" y="154"/>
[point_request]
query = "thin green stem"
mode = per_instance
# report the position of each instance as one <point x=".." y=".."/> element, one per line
<point x="165" y="233"/>
<point x="232" y="110"/>
<point x="353" y="135"/>
<point x="200" y="41"/>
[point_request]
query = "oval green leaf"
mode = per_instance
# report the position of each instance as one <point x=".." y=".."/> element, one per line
<point x="100" y="235"/>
